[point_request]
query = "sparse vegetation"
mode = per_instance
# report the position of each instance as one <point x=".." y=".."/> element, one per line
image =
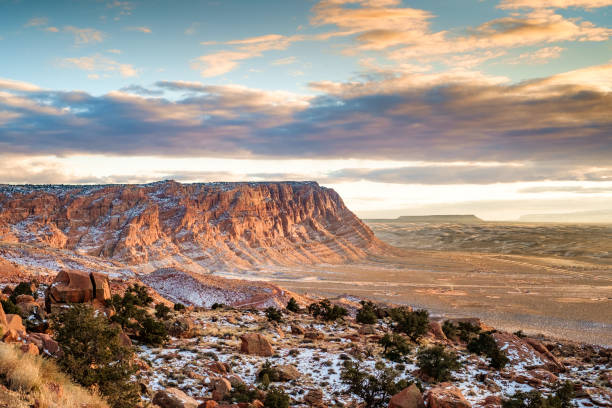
<point x="395" y="347"/>
<point x="374" y="389"/>
<point x="94" y="356"/>
<point x="293" y="306"/>
<point x="276" y="398"/>
<point x="273" y="314"/>
<point x="179" y="307"/>
<point x="28" y="375"/>
<point x="9" y="307"/>
<point x="162" y="311"/>
<point x="485" y="344"/>
<point x="412" y="323"/>
<point x="23" y="288"/>
<point x="464" y="331"/>
<point x="437" y="363"/>
<point x="561" y="398"/>
<point x="326" y="311"/>
<point x="216" y="306"/>
<point x="368" y="314"/>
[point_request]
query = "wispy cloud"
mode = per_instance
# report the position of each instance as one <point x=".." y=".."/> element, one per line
<point x="141" y="29"/>
<point x="222" y="62"/>
<point x="37" y="22"/>
<point x="541" y="56"/>
<point x="101" y="64"/>
<point x="558" y="4"/>
<point x="285" y="61"/>
<point x="85" y="35"/>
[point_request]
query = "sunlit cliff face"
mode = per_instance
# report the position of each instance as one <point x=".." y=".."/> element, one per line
<point x="494" y="108"/>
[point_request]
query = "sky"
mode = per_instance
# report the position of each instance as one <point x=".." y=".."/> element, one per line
<point x="497" y="108"/>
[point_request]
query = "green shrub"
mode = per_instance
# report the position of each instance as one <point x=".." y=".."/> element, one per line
<point x="293" y="306"/>
<point x="23" y="288"/>
<point x="268" y="371"/>
<point x="162" y="311"/>
<point x="179" y="307"/>
<point x="437" y="363"/>
<point x="485" y="344"/>
<point x="368" y="314"/>
<point x="276" y="398"/>
<point x="242" y="393"/>
<point x="10" y="307"/>
<point x="464" y="331"/>
<point x="562" y="398"/>
<point x="132" y="317"/>
<point x="413" y="324"/>
<point x="152" y="332"/>
<point x="374" y="389"/>
<point x="273" y="314"/>
<point x="326" y="311"/>
<point x="395" y="347"/>
<point x="94" y="356"/>
<point x="216" y="306"/>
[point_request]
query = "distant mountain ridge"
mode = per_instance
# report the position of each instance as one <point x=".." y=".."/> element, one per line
<point x="203" y="226"/>
<point x="456" y="218"/>
<point x="594" y="217"/>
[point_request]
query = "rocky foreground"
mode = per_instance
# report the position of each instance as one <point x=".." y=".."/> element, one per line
<point x="237" y="356"/>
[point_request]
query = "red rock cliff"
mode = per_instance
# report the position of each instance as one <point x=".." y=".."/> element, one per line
<point x="215" y="225"/>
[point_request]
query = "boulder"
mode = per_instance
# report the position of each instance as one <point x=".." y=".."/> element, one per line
<point x="221" y="388"/>
<point x="492" y="401"/>
<point x="12" y="336"/>
<point x="14" y="322"/>
<point x="256" y="344"/>
<point x="183" y="327"/>
<point x="367" y="329"/>
<point x="29" y="349"/>
<point x="3" y="322"/>
<point x="446" y="395"/>
<point x="552" y="363"/>
<point x="45" y="343"/>
<point x="174" y="398"/>
<point x="219" y="367"/>
<point x="314" y="398"/>
<point x="295" y="329"/>
<point x="527" y="353"/>
<point x="287" y="372"/>
<point x="409" y="397"/>
<point x="24" y="299"/>
<point x="101" y="287"/>
<point x="435" y="330"/>
<point x="30" y="308"/>
<point x="71" y="286"/>
<point x="313" y="335"/>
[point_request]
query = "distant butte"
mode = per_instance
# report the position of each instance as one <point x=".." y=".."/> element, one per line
<point x="456" y="218"/>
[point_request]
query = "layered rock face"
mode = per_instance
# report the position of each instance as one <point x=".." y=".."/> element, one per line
<point x="210" y="226"/>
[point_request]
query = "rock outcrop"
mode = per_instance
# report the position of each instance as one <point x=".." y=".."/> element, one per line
<point x="409" y="397"/>
<point x="72" y="286"/>
<point x="220" y="225"/>
<point x="446" y="395"/>
<point x="256" y="344"/>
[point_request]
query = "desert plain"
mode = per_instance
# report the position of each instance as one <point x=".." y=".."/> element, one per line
<point x="553" y="279"/>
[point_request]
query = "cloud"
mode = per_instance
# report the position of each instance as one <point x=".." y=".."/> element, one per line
<point x="541" y="56"/>
<point x="37" y="22"/>
<point x="557" y="4"/>
<point x="85" y="35"/>
<point x="17" y="85"/>
<point x="437" y="117"/>
<point x="141" y="29"/>
<point x="567" y="189"/>
<point x="140" y="90"/>
<point x="285" y="61"/>
<point x="100" y="63"/>
<point x="52" y="29"/>
<point x="222" y="62"/>
<point x="192" y="29"/>
<point x="472" y="173"/>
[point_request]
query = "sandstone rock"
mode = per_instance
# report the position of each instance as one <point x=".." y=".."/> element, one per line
<point x="219" y="367"/>
<point x="600" y="396"/>
<point x="174" y="398"/>
<point x="256" y="404"/>
<point x="45" y="343"/>
<point x="446" y="395"/>
<point x="297" y="330"/>
<point x="101" y="287"/>
<point x="256" y="344"/>
<point x="29" y="349"/>
<point x="14" y="322"/>
<point x="435" y="329"/>
<point x="183" y="327"/>
<point x="543" y="375"/>
<point x="367" y="329"/>
<point x="287" y="372"/>
<point x="3" y="322"/>
<point x="492" y="401"/>
<point x="221" y="388"/>
<point x="409" y="397"/>
<point x="209" y="404"/>
<point x="25" y="299"/>
<point x="30" y="308"/>
<point x="314" y="398"/>
<point x="527" y="352"/>
<point x="12" y="336"/>
<point x="313" y="335"/>
<point x="71" y="287"/>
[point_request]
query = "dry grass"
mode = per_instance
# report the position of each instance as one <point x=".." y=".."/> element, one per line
<point x="39" y="379"/>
